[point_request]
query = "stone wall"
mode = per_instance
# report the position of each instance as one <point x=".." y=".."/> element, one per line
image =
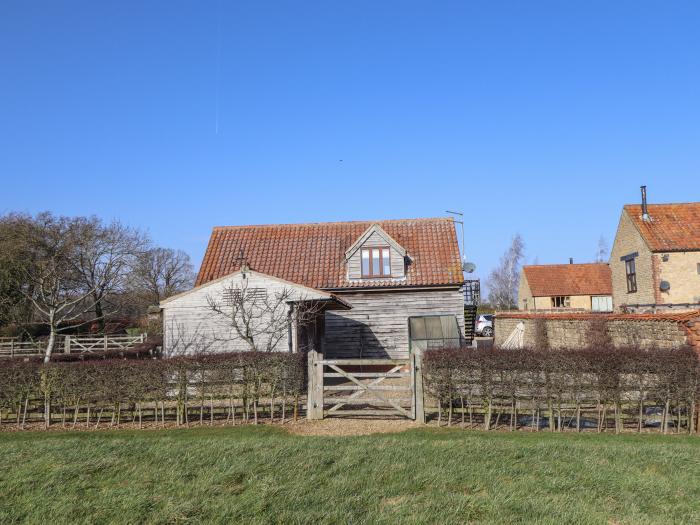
<point x="574" y="330"/>
<point x="628" y="241"/>
<point x="680" y="269"/>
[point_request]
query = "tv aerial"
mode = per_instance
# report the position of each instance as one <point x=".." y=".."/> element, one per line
<point x="467" y="267"/>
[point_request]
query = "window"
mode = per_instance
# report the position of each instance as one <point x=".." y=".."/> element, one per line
<point x="601" y="303"/>
<point x="376" y="262"/>
<point x="561" y="301"/>
<point x="434" y="331"/>
<point x="698" y="268"/>
<point x="631" y="271"/>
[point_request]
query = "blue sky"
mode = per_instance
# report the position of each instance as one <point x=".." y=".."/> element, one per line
<point x="541" y="118"/>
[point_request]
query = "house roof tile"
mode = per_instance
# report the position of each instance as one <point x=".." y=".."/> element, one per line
<point x="673" y="227"/>
<point x="569" y="279"/>
<point x="314" y="254"/>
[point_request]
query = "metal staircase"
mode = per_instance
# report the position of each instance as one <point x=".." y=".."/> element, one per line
<point x="472" y="297"/>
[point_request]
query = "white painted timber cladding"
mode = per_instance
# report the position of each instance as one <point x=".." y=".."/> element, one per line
<point x="377" y="324"/>
<point x="398" y="266"/>
<point x="188" y="319"/>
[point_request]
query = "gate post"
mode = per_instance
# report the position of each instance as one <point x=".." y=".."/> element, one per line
<point x="314" y="399"/>
<point x="417" y="369"/>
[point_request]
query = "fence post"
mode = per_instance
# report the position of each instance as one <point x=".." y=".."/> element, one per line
<point x="417" y="365"/>
<point x="105" y="343"/>
<point x="12" y="348"/>
<point x="314" y="400"/>
<point x="66" y="344"/>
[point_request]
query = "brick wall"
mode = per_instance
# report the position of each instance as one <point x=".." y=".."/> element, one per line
<point x="573" y="330"/>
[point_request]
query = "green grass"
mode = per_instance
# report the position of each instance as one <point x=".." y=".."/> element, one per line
<point x="263" y="475"/>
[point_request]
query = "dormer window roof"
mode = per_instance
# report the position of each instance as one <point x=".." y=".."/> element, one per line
<point x="374" y="229"/>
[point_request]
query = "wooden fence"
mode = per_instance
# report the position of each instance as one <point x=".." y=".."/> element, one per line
<point x="11" y="347"/>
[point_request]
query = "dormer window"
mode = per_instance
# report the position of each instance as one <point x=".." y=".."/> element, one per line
<point x="376" y="262"/>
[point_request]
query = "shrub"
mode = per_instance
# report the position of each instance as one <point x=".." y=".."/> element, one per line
<point x="560" y="387"/>
<point x="218" y="385"/>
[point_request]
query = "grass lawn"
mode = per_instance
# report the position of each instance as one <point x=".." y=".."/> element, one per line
<point x="263" y="475"/>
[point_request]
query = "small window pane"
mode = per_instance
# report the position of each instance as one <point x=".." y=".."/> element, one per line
<point x="386" y="262"/>
<point x="449" y="327"/>
<point x="433" y="327"/>
<point x="365" y="262"/>
<point x="417" y="328"/>
<point x="376" y="267"/>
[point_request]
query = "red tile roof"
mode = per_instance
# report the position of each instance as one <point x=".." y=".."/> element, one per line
<point x="314" y="254"/>
<point x="569" y="279"/>
<point x="673" y="227"/>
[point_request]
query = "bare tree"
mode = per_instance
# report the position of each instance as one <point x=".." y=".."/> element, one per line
<point x="105" y="256"/>
<point x="260" y="317"/>
<point x="162" y="272"/>
<point x="51" y="281"/>
<point x="504" y="279"/>
<point x="603" y="251"/>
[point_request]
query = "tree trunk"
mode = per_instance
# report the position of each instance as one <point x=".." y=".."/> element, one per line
<point x="50" y="345"/>
<point x="99" y="314"/>
<point x="552" y="424"/>
<point x="24" y="414"/>
<point x="578" y="417"/>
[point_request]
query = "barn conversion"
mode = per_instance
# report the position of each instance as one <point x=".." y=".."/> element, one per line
<point x="566" y="287"/>
<point x="352" y="289"/>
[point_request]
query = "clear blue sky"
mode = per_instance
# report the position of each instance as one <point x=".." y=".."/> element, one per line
<point x="535" y="117"/>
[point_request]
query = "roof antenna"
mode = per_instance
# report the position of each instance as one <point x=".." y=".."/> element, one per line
<point x="467" y="267"/>
<point x="645" y="210"/>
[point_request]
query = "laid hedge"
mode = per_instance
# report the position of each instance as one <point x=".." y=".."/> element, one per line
<point x="592" y="388"/>
<point x="232" y="385"/>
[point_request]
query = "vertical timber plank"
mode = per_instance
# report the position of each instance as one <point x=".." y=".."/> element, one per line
<point x="318" y="386"/>
<point x="412" y="364"/>
<point x="310" y="390"/>
<point x="417" y="366"/>
<point x="314" y="403"/>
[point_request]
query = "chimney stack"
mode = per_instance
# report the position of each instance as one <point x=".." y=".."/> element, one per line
<point x="571" y="260"/>
<point x="645" y="210"/>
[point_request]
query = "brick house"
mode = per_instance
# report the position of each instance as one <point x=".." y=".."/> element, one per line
<point x="655" y="259"/>
<point x="383" y="288"/>
<point x="566" y="287"/>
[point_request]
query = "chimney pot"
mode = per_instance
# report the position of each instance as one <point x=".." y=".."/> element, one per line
<point x="645" y="210"/>
<point x="571" y="260"/>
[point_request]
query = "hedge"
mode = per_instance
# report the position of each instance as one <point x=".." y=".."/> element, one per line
<point x="180" y="389"/>
<point x="596" y="388"/>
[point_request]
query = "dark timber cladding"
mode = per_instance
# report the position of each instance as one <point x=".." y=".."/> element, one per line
<point x="377" y="324"/>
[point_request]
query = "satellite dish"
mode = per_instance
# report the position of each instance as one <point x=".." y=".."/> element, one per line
<point x="468" y="267"/>
<point x="664" y="286"/>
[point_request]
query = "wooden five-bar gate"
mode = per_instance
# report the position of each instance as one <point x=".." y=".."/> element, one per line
<point x="365" y="387"/>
